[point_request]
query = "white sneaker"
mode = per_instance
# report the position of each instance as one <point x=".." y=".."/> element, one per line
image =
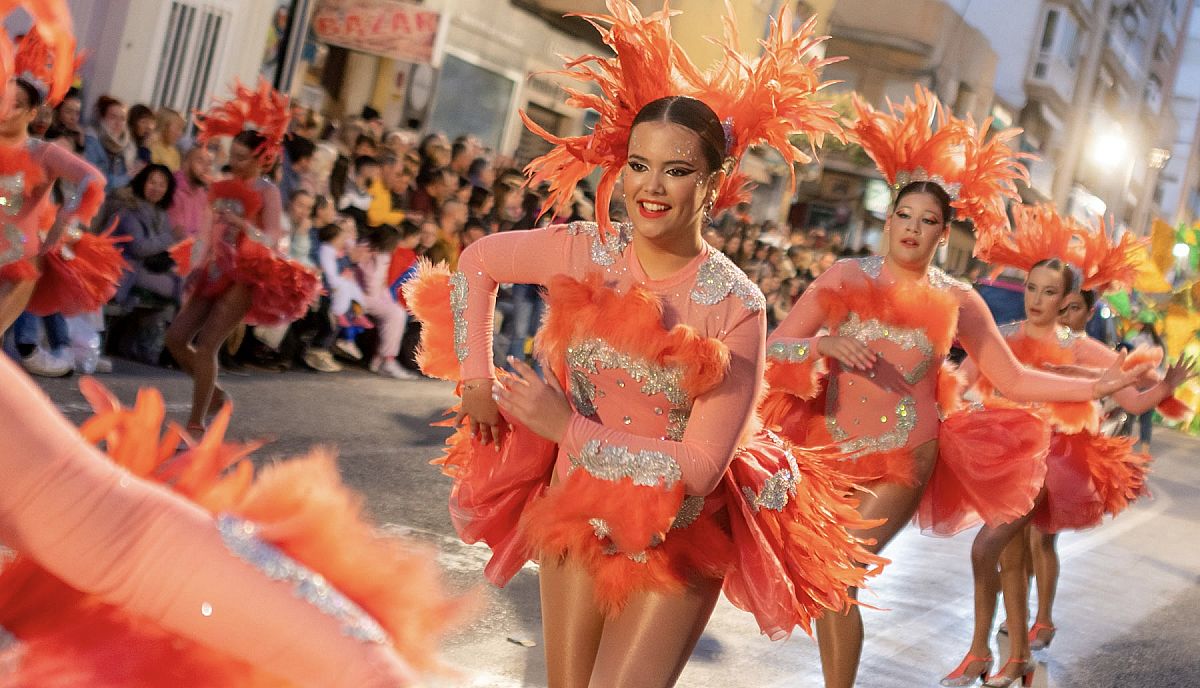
<point x="348" y="349"/>
<point x="390" y="368"/>
<point x="46" y="364"/>
<point x="104" y="365"/>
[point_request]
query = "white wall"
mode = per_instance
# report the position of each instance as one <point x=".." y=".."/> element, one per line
<point x="1185" y="105"/>
<point x="1011" y="26"/>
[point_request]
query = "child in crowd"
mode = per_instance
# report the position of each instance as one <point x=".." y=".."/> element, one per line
<point x="356" y="198"/>
<point x="390" y="263"/>
<point x="339" y="244"/>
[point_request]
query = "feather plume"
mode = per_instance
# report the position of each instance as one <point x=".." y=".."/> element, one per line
<point x="262" y="109"/>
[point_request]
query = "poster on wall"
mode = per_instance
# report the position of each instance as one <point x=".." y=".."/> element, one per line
<point x="389" y="28"/>
<point x="285" y="35"/>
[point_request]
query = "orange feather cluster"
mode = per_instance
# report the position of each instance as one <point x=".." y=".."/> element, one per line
<point x="1040" y="232"/>
<point x="48" y="50"/>
<point x="762" y="101"/>
<point x="918" y="141"/>
<point x="262" y="109"/>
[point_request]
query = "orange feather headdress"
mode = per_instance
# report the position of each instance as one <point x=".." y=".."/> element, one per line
<point x="263" y="110"/>
<point x="918" y="141"/>
<point x="45" y="57"/>
<point x="760" y="101"/>
<point x="1040" y="233"/>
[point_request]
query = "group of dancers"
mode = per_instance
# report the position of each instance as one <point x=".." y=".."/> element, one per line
<point x="667" y="450"/>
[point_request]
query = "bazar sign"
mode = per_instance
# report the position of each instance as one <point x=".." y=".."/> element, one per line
<point x="399" y="30"/>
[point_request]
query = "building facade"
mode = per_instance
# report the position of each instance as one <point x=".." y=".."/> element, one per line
<point x="1180" y="180"/>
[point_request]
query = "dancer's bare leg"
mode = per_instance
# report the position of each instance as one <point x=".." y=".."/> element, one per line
<point x="571" y="623"/>
<point x="1015" y="584"/>
<point x="1046" y="570"/>
<point x="183" y="330"/>
<point x="650" y="641"/>
<point x="227" y="311"/>
<point x="986" y="551"/>
<point x="840" y="635"/>
<point x="14" y="297"/>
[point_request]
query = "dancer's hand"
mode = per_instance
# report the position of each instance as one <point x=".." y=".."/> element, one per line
<point x="479" y="409"/>
<point x="1114" y="378"/>
<point x="848" y="351"/>
<point x="540" y="405"/>
<point x="1180" y="372"/>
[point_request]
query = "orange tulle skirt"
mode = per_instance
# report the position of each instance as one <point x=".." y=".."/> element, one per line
<point x="990" y="469"/>
<point x="281" y="290"/>
<point x="81" y="283"/>
<point x="68" y="639"/>
<point x="792" y="520"/>
<point x="1088" y="477"/>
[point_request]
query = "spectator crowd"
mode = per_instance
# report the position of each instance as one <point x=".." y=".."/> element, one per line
<point x="363" y="204"/>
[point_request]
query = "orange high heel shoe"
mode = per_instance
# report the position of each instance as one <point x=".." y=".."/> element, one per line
<point x="1040" y="636"/>
<point x="999" y="680"/>
<point x="962" y="677"/>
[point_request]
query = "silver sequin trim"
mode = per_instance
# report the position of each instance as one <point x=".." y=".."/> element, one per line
<point x="71" y="193"/>
<point x="938" y="279"/>
<point x="241" y="537"/>
<point x="796" y="352"/>
<point x="689" y="511"/>
<point x="1010" y="329"/>
<point x="613" y="462"/>
<point x="608" y="248"/>
<point x="13" y="244"/>
<point x="871" y="265"/>
<point x="903" y="422"/>
<point x="1064" y="335"/>
<point x="920" y="174"/>
<point x="777" y="488"/>
<point x="590" y="356"/>
<point x="458" y="306"/>
<point x="12" y="193"/>
<point x="718" y="278"/>
<point x="907" y="339"/>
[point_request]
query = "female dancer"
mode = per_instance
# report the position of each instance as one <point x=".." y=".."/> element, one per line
<point x="1088" y="475"/>
<point x="631" y="471"/>
<point x="29" y="169"/>
<point x="229" y="581"/>
<point x="236" y="273"/>
<point x="891" y="321"/>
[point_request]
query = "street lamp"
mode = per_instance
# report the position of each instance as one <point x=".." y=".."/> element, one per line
<point x="1110" y="149"/>
<point x="1181" y="250"/>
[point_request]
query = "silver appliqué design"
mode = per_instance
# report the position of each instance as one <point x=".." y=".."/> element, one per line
<point x="902" y="422"/>
<point x="241" y="537"/>
<point x="939" y="279"/>
<point x="920" y="174"/>
<point x="12" y="244"/>
<point x="870" y="265"/>
<point x="795" y="352"/>
<point x="458" y="307"/>
<point x="12" y="193"/>
<point x="718" y="278"/>
<point x="607" y="247"/>
<point x="590" y="356"/>
<point x="777" y="488"/>
<point x="613" y="462"/>
<point x="866" y="331"/>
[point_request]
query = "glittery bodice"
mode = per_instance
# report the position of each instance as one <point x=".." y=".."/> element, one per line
<point x="623" y="390"/>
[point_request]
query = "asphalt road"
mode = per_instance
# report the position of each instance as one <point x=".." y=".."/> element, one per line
<point x="1128" y="601"/>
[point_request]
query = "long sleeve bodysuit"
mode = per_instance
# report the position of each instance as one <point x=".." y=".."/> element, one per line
<point x="910" y="325"/>
<point x="141" y="548"/>
<point x="622" y="405"/>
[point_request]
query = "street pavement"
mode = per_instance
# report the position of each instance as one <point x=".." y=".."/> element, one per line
<point x="1127" y="607"/>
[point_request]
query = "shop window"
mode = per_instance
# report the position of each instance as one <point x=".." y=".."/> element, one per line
<point x="187" y="63"/>
<point x="472" y="100"/>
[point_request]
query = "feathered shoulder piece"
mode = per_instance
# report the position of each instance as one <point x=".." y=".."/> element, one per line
<point x="918" y="141"/>
<point x="262" y="109"/>
<point x="236" y="196"/>
<point x="47" y="54"/>
<point x="760" y="101"/>
<point x="1040" y="233"/>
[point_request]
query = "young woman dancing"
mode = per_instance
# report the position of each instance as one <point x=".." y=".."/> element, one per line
<point x="43" y="255"/>
<point x="1088" y="475"/>
<point x="633" y="471"/>
<point x="871" y="385"/>
<point x="236" y="271"/>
